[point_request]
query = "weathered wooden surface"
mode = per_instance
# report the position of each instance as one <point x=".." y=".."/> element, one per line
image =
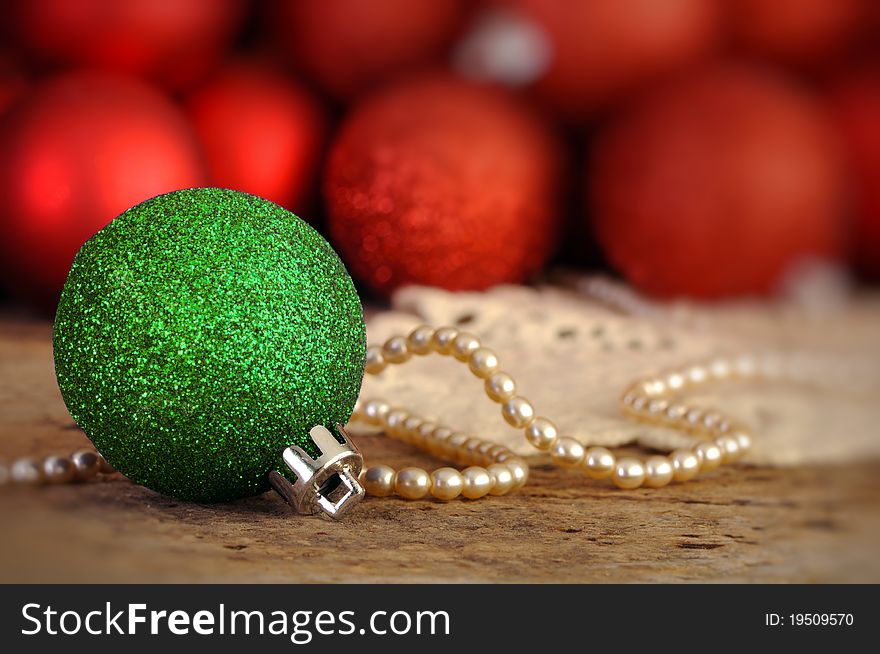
<point x="742" y="524"/>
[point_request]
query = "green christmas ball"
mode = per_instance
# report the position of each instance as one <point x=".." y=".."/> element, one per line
<point x="199" y="334"/>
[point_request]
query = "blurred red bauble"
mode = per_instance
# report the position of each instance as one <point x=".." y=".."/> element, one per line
<point x="261" y="133"/>
<point x="350" y="46"/>
<point x="716" y="183"/>
<point x="78" y="150"/>
<point x="172" y="42"/>
<point x="856" y="107"/>
<point x="442" y="183"/>
<point x="603" y="49"/>
<point x="796" y="31"/>
<point x="13" y="82"/>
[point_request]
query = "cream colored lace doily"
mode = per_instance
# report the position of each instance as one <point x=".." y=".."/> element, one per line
<point x="572" y="355"/>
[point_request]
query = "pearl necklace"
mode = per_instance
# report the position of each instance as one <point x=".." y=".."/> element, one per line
<point x="492" y="468"/>
<point x="495" y="470"/>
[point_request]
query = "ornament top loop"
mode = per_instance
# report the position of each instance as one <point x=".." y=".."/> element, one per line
<point x="328" y="484"/>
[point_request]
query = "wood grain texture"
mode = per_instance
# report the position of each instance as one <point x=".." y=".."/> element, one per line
<point x="814" y="524"/>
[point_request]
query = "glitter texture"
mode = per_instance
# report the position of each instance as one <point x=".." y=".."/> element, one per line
<point x="202" y="332"/>
<point x="439" y="182"/>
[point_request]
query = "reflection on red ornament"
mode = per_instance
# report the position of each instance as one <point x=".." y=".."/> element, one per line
<point x="261" y="133"/>
<point x="78" y="150"/>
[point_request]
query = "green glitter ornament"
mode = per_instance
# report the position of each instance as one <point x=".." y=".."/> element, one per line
<point x="200" y="334"/>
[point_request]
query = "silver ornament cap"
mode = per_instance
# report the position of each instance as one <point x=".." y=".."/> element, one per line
<point x="328" y="484"/>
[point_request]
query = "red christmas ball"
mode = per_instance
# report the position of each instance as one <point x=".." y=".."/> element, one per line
<point x="713" y="185"/>
<point x="442" y="183"/>
<point x="796" y="31"/>
<point x="604" y="49"/>
<point x="855" y="102"/>
<point x="78" y="150"/>
<point x="261" y="133"/>
<point x="350" y="46"/>
<point x="172" y="42"/>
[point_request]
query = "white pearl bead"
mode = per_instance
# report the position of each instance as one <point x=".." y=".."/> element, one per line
<point x="26" y="471"/>
<point x="441" y="342"/>
<point x="696" y="375"/>
<point x="709" y="455"/>
<point x="629" y="473"/>
<point x="437" y="442"/>
<point x="470" y="449"/>
<point x="675" y="381"/>
<point x="58" y="470"/>
<point x="477" y="482"/>
<point x="518" y="412"/>
<point x="599" y="462"/>
<point x="419" y="340"/>
<point x="375" y="362"/>
<point x="393" y="422"/>
<point x="657" y="407"/>
<point x="483" y="362"/>
<point x="502" y="477"/>
<point x="653" y="387"/>
<point x="106" y="468"/>
<point x="685" y="465"/>
<point x="87" y="463"/>
<point x="693" y="418"/>
<point x="567" y="452"/>
<point x="446" y="483"/>
<point x="500" y="387"/>
<point x="452" y="446"/>
<point x="711" y="420"/>
<point x="675" y="412"/>
<point x="496" y="451"/>
<point x="423" y="434"/>
<point x="729" y="448"/>
<point x="411" y="427"/>
<point x="463" y="345"/>
<point x="483" y="451"/>
<point x="520" y="471"/>
<point x="396" y="350"/>
<point x="541" y="433"/>
<point x="378" y="480"/>
<point x="412" y="483"/>
<point x="720" y="369"/>
<point x="375" y="411"/>
<point x="658" y="471"/>
<point x="638" y="403"/>
<point x="744" y="440"/>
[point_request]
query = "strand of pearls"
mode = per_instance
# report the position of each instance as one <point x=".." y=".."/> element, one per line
<point x="492" y="468"/>
<point x="652" y="400"/>
<point x="718" y="438"/>
<point x="82" y="465"/>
